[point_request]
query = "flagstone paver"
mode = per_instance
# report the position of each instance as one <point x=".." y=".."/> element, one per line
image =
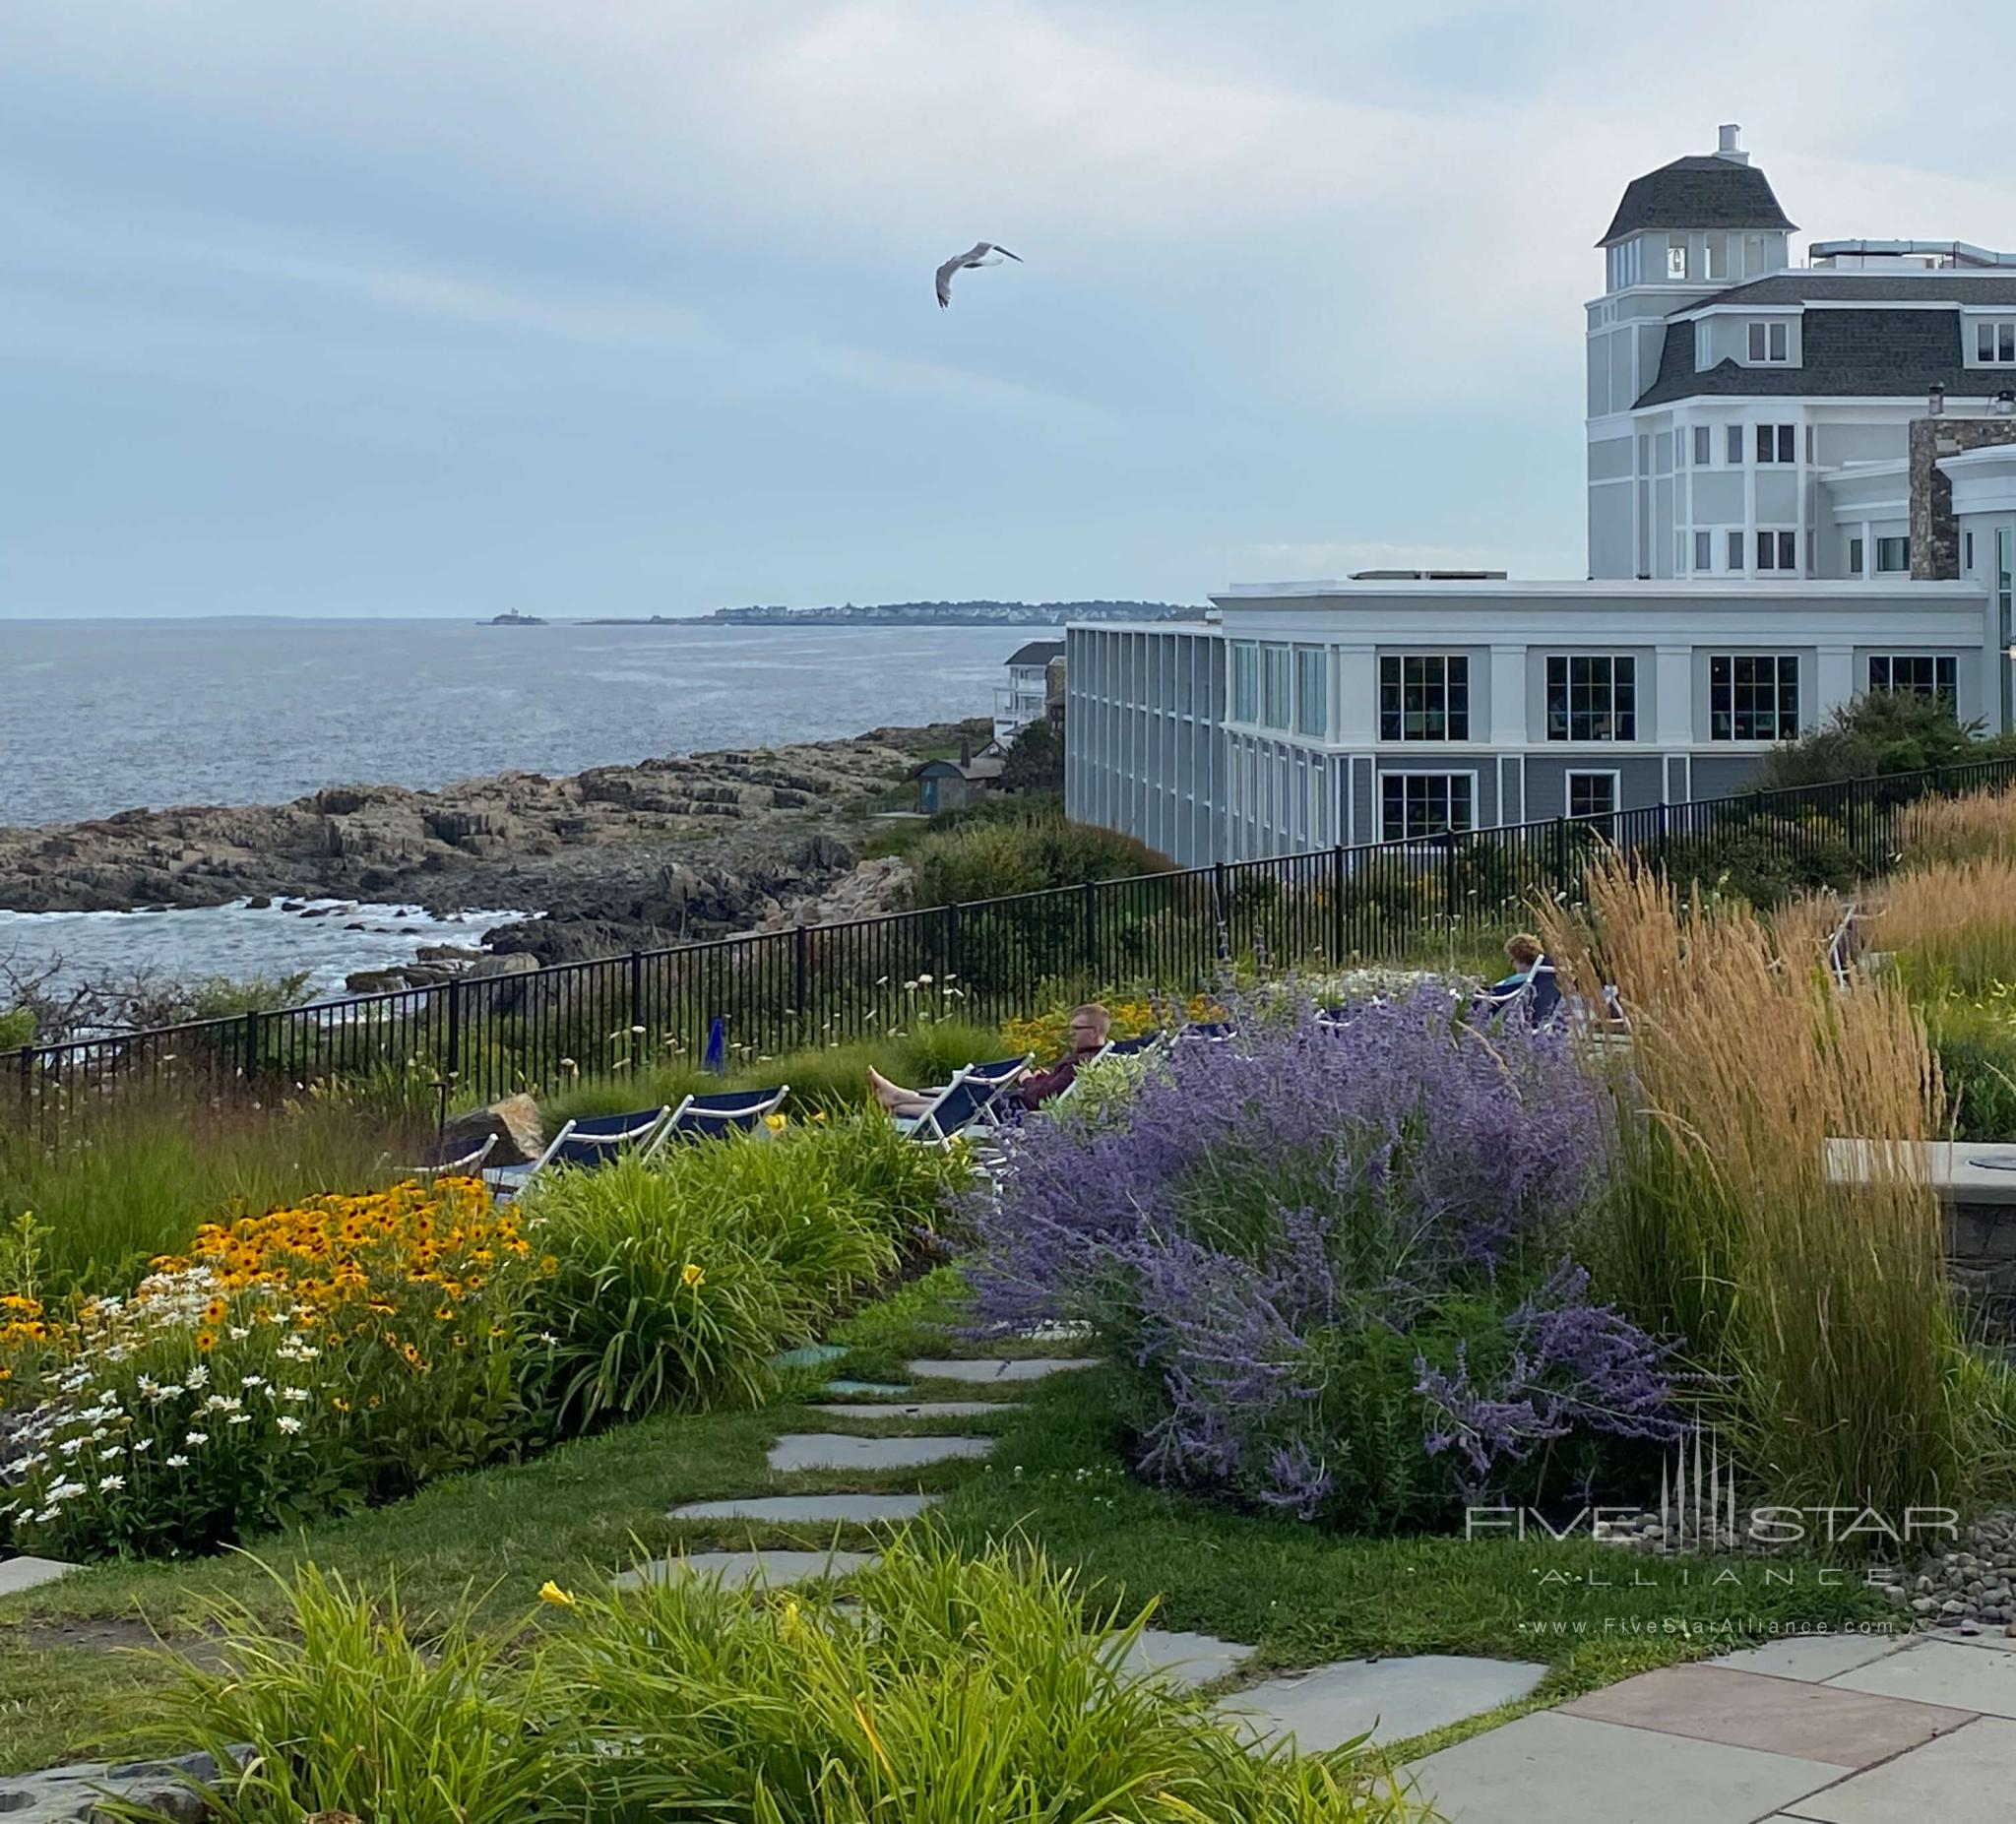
<point x="916" y="1409"/>
<point x="1188" y="1658"/>
<point x="810" y="1509"/>
<point x="864" y="1388"/>
<point x="1965" y="1778"/>
<point x="1392" y="1698"/>
<point x="832" y="1450"/>
<point x="1574" y="1770"/>
<point x="1783" y="1715"/>
<point x="1942" y="1671"/>
<point x="813" y="1355"/>
<point x="992" y="1369"/>
<point x="1813" y="1657"/>
<point x="19" y="1574"/>
<point x="734" y="1569"/>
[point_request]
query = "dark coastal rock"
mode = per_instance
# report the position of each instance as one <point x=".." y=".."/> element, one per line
<point x="668" y="848"/>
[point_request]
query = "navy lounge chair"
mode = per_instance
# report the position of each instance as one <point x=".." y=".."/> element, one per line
<point x="708" y="1118"/>
<point x="1131" y="1048"/>
<point x="453" y="1158"/>
<point x="1212" y="1031"/>
<point x="590" y="1143"/>
<point x="970" y="1099"/>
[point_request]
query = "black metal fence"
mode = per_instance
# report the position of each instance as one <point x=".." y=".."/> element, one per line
<point x="480" y="1037"/>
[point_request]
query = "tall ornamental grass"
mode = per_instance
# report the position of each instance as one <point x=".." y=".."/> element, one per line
<point x="981" y="1692"/>
<point x="141" y="1176"/>
<point x="1951" y="925"/>
<point x="1975" y="825"/>
<point x="1817" y="1311"/>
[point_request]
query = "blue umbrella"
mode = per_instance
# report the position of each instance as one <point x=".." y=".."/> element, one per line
<point x="717" y="1055"/>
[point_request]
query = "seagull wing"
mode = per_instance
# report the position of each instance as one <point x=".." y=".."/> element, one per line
<point x="1016" y="256"/>
<point x="945" y="273"/>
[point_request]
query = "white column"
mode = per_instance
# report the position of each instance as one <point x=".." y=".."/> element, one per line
<point x="1508" y="696"/>
<point x="1869" y="552"/>
<point x="1833" y="684"/>
<point x="1355" y="696"/>
<point x="1673" y="701"/>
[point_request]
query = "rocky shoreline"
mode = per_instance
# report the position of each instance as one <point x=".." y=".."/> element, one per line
<point x="614" y="857"/>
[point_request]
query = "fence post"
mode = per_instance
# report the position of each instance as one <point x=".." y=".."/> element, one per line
<point x="251" y="1044"/>
<point x="1222" y="909"/>
<point x="1091" y="933"/>
<point x="953" y="961"/>
<point x="1560" y="860"/>
<point x="27" y="1084"/>
<point x="451" y="1063"/>
<point x="1337" y="903"/>
<point x="801" y="971"/>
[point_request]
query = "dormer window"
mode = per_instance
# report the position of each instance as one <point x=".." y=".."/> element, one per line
<point x="1994" y="344"/>
<point x="1770" y="343"/>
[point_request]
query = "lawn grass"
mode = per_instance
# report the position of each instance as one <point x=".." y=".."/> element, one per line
<point x="597" y="1506"/>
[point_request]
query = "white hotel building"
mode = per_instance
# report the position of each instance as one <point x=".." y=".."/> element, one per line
<point x="1801" y="486"/>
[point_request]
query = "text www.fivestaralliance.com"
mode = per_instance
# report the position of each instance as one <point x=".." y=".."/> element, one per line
<point x="1685" y="1627"/>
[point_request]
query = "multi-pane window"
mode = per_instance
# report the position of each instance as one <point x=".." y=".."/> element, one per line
<point x="1677" y="260"/>
<point x="1753" y="698"/>
<point x="1275" y="677"/>
<point x="1424" y="697"/>
<point x="1592" y="697"/>
<point x="1703" y="442"/>
<point x="1312" y="691"/>
<point x="1893" y="554"/>
<point x="1994" y="344"/>
<point x="1704" y="551"/>
<point x="1916" y="675"/>
<point x="1855" y="557"/>
<point x="1245" y="682"/>
<point x="1592" y="795"/>
<point x="1778" y="550"/>
<point x="1736" y="548"/>
<point x="1778" y="443"/>
<point x="1417" y="804"/>
<point x="1733" y="445"/>
<point x="1768" y="342"/>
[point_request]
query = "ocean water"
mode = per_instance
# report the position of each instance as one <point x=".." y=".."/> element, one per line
<point x="240" y="942"/>
<point x="99" y="717"/>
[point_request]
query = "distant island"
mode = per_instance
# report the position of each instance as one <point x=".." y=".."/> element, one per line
<point x="511" y="618"/>
<point x="921" y="613"/>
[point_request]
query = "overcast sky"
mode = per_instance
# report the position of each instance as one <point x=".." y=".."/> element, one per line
<point x="624" y="306"/>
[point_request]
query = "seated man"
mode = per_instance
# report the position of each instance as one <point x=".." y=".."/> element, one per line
<point x="1089" y="1024"/>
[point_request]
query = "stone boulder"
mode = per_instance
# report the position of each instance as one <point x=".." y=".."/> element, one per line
<point x="520" y="1135"/>
<point x="68" y="1795"/>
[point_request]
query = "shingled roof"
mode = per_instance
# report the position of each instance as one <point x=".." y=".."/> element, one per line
<point x="1812" y="286"/>
<point x="1847" y="355"/>
<point x="1037" y="653"/>
<point x="1706" y="192"/>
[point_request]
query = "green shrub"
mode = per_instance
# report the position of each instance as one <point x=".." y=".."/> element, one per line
<point x="675" y="1281"/>
<point x="1765" y="859"/>
<point x="979" y="1691"/>
<point x="996" y="857"/>
<point x="16" y="1029"/>
<point x="1880" y="734"/>
<point x="1976" y="1043"/>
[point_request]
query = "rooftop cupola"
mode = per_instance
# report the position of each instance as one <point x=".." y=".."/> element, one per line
<point x="1705" y="219"/>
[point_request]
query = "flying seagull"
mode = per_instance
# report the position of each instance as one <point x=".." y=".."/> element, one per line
<point x="981" y="253"/>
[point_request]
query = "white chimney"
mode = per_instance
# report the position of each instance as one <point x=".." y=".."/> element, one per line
<point x="1726" y="147"/>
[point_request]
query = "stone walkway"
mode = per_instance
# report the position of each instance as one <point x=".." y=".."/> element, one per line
<point x="1318" y="1709"/>
<point x="1828" y="1729"/>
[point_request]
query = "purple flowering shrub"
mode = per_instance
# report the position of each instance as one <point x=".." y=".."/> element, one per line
<point x="1333" y="1262"/>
